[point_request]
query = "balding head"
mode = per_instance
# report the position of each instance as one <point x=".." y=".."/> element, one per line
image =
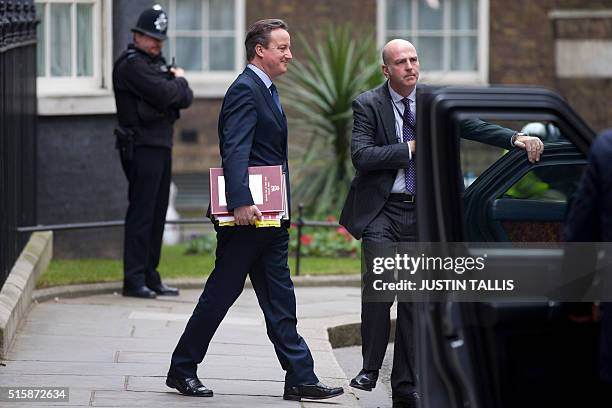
<point x="395" y="46"/>
<point x="401" y="66"/>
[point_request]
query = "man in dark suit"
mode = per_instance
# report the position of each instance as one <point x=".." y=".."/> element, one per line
<point x="590" y="220"/>
<point x="252" y="132"/>
<point x="380" y="206"/>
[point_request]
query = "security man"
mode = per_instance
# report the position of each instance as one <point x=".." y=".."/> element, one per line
<point x="149" y="95"/>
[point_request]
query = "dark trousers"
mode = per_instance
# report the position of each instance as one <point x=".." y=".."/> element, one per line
<point x="395" y="223"/>
<point x="262" y="254"/>
<point x="148" y="175"/>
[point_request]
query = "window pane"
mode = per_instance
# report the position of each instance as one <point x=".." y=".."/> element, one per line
<point x="167" y="52"/>
<point x="430" y="53"/>
<point x="189" y="15"/>
<point x="404" y="37"/>
<point x="430" y="14"/>
<point x="165" y="6"/>
<point x="476" y="157"/>
<point x="222" y="54"/>
<point x="547" y="131"/>
<point x="61" y="41"/>
<point x="189" y="53"/>
<point x="221" y="15"/>
<point x="40" y="46"/>
<point x="515" y="202"/>
<point x="547" y="183"/>
<point x="399" y="14"/>
<point x="463" y="54"/>
<point x="167" y="49"/>
<point x="85" y="40"/>
<point x="464" y="14"/>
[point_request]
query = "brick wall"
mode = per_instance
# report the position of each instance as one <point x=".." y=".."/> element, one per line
<point x="522" y="40"/>
<point x="310" y="18"/>
<point x="197" y="157"/>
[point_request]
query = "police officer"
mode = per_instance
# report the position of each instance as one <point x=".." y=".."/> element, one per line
<point x="149" y="95"/>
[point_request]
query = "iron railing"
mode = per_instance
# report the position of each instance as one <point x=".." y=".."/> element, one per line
<point x="17" y="128"/>
<point x="300" y="223"/>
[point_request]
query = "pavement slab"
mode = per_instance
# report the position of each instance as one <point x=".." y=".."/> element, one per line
<point x="113" y="351"/>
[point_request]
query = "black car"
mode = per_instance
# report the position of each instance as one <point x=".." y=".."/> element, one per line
<point x="501" y="353"/>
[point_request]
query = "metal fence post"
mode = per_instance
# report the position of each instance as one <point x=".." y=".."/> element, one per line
<point x="300" y="224"/>
<point x="17" y="127"/>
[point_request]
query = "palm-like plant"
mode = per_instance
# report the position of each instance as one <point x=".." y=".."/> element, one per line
<point x="320" y="92"/>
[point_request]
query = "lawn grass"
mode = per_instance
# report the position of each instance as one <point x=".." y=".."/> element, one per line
<point x="174" y="264"/>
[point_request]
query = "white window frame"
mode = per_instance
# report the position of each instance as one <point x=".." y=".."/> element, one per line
<point x="214" y="84"/>
<point x="480" y="77"/>
<point x="82" y="95"/>
<point x="51" y="83"/>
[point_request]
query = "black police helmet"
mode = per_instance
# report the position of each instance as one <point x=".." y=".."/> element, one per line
<point x="153" y="22"/>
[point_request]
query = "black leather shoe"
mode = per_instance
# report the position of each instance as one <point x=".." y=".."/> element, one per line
<point x="410" y="401"/>
<point x="191" y="387"/>
<point x="365" y="380"/>
<point x="141" y="292"/>
<point x="163" y="290"/>
<point x="316" y="391"/>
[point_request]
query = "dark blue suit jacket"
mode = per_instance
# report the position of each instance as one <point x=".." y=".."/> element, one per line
<point x="252" y="132"/>
<point x="590" y="218"/>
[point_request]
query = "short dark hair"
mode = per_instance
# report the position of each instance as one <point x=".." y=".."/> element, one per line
<point x="259" y="33"/>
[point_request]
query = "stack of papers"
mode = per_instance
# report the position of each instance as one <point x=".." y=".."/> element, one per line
<point x="268" y="189"/>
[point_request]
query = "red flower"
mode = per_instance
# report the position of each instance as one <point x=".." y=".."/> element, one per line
<point x="331" y="218"/>
<point x="306" y="239"/>
<point x="347" y="235"/>
<point x="342" y="230"/>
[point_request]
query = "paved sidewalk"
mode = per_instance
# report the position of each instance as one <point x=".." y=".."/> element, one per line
<point x="114" y="351"/>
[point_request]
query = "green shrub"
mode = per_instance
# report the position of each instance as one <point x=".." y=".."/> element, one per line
<point x="201" y="244"/>
<point x="325" y="242"/>
<point x="316" y="241"/>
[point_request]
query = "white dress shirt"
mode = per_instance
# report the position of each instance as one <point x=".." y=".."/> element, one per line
<point x="262" y="75"/>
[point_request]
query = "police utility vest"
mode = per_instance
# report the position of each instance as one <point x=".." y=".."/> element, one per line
<point x="148" y="97"/>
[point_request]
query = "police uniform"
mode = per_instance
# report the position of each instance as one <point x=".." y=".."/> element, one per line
<point x="148" y="99"/>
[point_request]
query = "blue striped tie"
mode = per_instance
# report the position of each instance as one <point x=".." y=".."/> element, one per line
<point x="408" y="133"/>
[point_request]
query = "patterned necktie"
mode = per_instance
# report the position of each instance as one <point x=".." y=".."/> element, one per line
<point x="408" y="133"/>
<point x="276" y="98"/>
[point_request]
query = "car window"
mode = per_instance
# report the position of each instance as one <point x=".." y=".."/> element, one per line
<point x="508" y="199"/>
<point x="534" y="208"/>
<point x="547" y="131"/>
<point x="477" y="156"/>
<point x="556" y="183"/>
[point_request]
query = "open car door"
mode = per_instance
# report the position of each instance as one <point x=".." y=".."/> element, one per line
<point x="502" y="353"/>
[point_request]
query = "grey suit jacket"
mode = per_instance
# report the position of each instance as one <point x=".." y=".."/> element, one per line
<point x="377" y="155"/>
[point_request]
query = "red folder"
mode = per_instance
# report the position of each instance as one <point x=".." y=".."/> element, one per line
<point x="265" y="182"/>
